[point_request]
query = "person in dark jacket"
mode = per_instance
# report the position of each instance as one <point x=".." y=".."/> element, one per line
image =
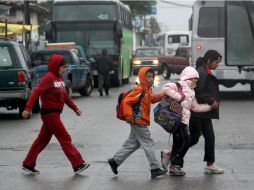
<point x="104" y="66"/>
<point x="53" y="96"/>
<point x="207" y="91"/>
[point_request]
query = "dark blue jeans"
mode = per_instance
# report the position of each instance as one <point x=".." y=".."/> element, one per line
<point x="204" y="126"/>
<point x="181" y="144"/>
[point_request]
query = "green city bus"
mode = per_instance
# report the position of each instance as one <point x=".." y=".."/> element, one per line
<point x="96" y="24"/>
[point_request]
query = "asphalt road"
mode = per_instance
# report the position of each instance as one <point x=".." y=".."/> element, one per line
<point x="98" y="135"/>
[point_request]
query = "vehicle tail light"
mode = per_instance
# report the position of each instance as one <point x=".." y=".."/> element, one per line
<point x="21" y="76"/>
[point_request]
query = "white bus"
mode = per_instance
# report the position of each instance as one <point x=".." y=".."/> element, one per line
<point x="170" y="41"/>
<point x="226" y="26"/>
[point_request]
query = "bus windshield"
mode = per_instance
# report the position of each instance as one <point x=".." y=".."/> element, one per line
<point x="240" y="42"/>
<point x="81" y="12"/>
<point x="92" y="40"/>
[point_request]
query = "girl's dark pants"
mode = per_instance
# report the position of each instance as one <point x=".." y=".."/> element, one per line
<point x="198" y="125"/>
<point x="52" y="125"/>
<point x="181" y="144"/>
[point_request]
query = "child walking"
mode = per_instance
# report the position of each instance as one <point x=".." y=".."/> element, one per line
<point x="53" y="96"/>
<point x="181" y="137"/>
<point x="139" y="122"/>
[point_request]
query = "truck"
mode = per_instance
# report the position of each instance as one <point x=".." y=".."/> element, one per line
<point x="78" y="76"/>
<point x="174" y="64"/>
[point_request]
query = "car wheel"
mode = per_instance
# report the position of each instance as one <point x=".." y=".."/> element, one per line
<point x="87" y="89"/>
<point x="165" y="72"/>
<point x="36" y="108"/>
<point x="252" y="89"/>
<point x="69" y="89"/>
<point x="22" y="106"/>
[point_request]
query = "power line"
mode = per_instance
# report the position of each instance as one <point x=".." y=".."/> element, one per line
<point x="176" y="4"/>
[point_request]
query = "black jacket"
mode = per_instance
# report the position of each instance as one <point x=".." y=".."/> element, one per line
<point x="207" y="91"/>
<point x="104" y="65"/>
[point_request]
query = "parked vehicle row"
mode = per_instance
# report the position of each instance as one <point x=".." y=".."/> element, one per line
<point x="21" y="73"/>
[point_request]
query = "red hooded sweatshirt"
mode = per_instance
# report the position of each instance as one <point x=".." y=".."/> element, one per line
<point x="51" y="89"/>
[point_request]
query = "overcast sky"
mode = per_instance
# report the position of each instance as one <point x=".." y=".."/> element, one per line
<point x="174" y="17"/>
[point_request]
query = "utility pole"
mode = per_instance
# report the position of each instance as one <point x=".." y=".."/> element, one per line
<point x="27" y="22"/>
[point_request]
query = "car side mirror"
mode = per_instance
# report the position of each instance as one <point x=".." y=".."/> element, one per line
<point x="82" y="60"/>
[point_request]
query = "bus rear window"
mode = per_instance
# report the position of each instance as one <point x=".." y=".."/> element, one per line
<point x="211" y="22"/>
<point x="178" y="39"/>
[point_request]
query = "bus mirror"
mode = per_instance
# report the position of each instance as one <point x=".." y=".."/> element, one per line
<point x="119" y="29"/>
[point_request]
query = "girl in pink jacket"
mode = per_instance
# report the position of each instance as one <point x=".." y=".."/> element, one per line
<point x="181" y="138"/>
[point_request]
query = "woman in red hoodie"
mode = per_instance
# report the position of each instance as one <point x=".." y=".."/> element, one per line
<point x="53" y="95"/>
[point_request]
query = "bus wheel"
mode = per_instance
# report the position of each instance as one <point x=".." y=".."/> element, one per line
<point x="165" y="72"/>
<point x="126" y="81"/>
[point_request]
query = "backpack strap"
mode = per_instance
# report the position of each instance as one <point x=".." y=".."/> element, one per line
<point x="179" y="87"/>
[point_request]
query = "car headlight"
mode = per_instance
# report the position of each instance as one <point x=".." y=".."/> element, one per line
<point x="137" y="62"/>
<point x="156" y="62"/>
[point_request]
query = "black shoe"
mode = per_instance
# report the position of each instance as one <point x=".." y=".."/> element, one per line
<point x="112" y="163"/>
<point x="107" y="93"/>
<point x="30" y="170"/>
<point x="81" y="168"/>
<point x="157" y="172"/>
<point x="101" y="93"/>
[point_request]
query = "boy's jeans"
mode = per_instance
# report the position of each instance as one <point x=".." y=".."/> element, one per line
<point x="139" y="136"/>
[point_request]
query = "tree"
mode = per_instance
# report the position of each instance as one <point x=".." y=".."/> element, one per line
<point x="140" y="8"/>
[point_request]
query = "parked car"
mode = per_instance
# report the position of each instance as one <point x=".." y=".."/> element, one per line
<point x="146" y="56"/>
<point x="78" y="76"/>
<point x="16" y="80"/>
<point x="174" y="64"/>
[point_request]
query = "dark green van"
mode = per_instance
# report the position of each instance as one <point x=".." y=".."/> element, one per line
<point x="16" y="81"/>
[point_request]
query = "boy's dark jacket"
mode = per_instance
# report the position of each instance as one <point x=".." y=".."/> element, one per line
<point x="207" y="91"/>
<point x="133" y="97"/>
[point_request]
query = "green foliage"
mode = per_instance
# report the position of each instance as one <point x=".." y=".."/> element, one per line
<point x="140" y="8"/>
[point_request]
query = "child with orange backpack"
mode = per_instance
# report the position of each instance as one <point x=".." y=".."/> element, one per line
<point x="139" y="121"/>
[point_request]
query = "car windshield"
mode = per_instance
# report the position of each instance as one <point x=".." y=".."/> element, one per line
<point x="42" y="58"/>
<point x="5" y="56"/>
<point x="147" y="52"/>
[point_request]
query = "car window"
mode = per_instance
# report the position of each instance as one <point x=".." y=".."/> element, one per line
<point x="25" y="54"/>
<point x="5" y="56"/>
<point x="42" y="58"/>
<point x="21" y="60"/>
<point x="147" y="52"/>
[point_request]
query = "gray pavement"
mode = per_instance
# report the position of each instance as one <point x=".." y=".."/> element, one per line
<point x="98" y="135"/>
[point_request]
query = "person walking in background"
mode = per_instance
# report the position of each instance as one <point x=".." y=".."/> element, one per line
<point x="139" y="122"/>
<point x="207" y="91"/>
<point x="53" y="96"/>
<point x="181" y="137"/>
<point x="104" y="66"/>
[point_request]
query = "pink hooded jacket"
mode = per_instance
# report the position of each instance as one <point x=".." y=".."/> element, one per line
<point x="189" y="103"/>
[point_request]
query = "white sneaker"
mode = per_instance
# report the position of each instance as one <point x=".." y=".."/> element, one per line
<point x="165" y="159"/>
<point x="213" y="169"/>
